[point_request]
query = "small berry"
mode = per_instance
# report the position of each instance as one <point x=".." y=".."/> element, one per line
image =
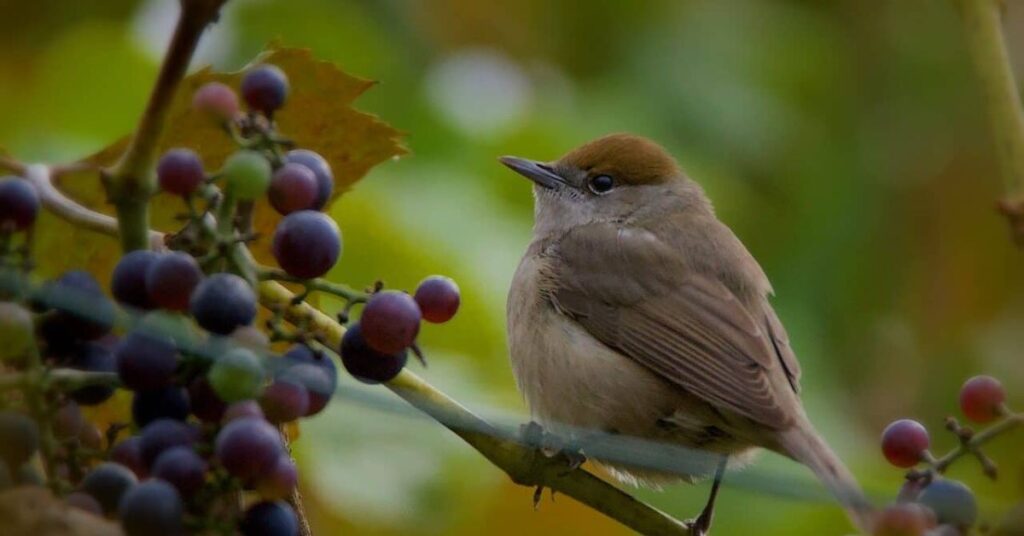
<point x="982" y="398"/>
<point x="182" y="468"/>
<point x="170" y="280"/>
<point x="270" y="519"/>
<point x="248" y="448"/>
<point x="280" y="480"/>
<point x="242" y="409"/>
<point x="237" y="375"/>
<point x="438" y="298"/>
<point x="306" y="244"/>
<point x="93" y="357"/>
<point x="366" y="364"/>
<point x="162" y="435"/>
<point x="129" y="454"/>
<point x="19" y="204"/>
<point x="315" y="371"/>
<point x="390" y="321"/>
<point x="904" y="442"/>
<point x="19" y="438"/>
<point x="217" y="100"/>
<point x="265" y="88"/>
<point x="166" y="403"/>
<point x="284" y="401"/>
<point x="322" y="171"/>
<point x="128" y="282"/>
<point x="145" y="361"/>
<point x="952" y="502"/>
<point x="903" y="519"/>
<point x="108" y="483"/>
<point x="180" y="172"/>
<point x="152" y="508"/>
<point x="292" y="188"/>
<point x="247" y="173"/>
<point x="222" y="303"/>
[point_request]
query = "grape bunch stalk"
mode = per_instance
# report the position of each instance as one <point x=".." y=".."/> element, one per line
<point x="205" y="448"/>
<point x="928" y="502"/>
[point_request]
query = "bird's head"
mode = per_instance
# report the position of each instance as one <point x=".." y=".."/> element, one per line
<point x="613" y="178"/>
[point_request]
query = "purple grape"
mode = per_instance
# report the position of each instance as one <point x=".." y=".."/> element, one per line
<point x="248" y="448"/>
<point x="19" y="204"/>
<point x="390" y="321"/>
<point x="270" y="519"/>
<point x="319" y="386"/>
<point x="146" y="361"/>
<point x="182" y="468"/>
<point x="279" y="482"/>
<point x="206" y="405"/>
<point x="68" y="421"/>
<point x="265" y="88"/>
<point x="223" y="302"/>
<point x="93" y="357"/>
<point x="216" y="99"/>
<point x="84" y="501"/>
<point x="242" y="409"/>
<point x="83" y="312"/>
<point x="321" y="170"/>
<point x="306" y="244"/>
<point x="292" y="188"/>
<point x="169" y="402"/>
<point x="366" y="364"/>
<point x="284" y="401"/>
<point x="19" y="438"/>
<point x="128" y="282"/>
<point x="152" y="508"/>
<point x="161" y="435"/>
<point x="301" y="354"/>
<point x="90" y="436"/>
<point x="438" y="298"/>
<point x="129" y="454"/>
<point x="108" y="483"/>
<point x="170" y="280"/>
<point x="180" y="172"/>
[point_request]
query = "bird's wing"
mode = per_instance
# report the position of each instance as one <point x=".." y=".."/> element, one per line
<point x="687" y="327"/>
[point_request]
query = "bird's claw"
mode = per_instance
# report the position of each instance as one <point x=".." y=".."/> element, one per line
<point x="700" y="525"/>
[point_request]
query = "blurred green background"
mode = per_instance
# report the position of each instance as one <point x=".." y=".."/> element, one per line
<point x="843" y="141"/>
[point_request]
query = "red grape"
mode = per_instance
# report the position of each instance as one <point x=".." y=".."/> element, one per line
<point x="284" y="401"/>
<point x="292" y="188"/>
<point x="19" y="204"/>
<point x="216" y="99"/>
<point x="152" y="508"/>
<point x="390" y="321"/>
<point x="223" y="302"/>
<point x="248" y="448"/>
<point x="129" y="454"/>
<point x="438" y="298"/>
<point x="265" y="88"/>
<point x="320" y="386"/>
<point x="982" y="398"/>
<point x="242" y="409"/>
<point x="180" y="172"/>
<point x="366" y="364"/>
<point x="171" y="278"/>
<point x="903" y="519"/>
<point x="306" y="244"/>
<point x="279" y="482"/>
<point x="68" y="421"/>
<point x="904" y="442"/>
<point x="322" y="171"/>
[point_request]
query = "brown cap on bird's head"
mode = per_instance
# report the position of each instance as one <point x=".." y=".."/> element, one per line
<point x="627" y="158"/>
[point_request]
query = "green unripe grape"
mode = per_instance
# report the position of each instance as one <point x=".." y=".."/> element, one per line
<point x="248" y="174"/>
<point x="15" y="331"/>
<point x="237" y="375"/>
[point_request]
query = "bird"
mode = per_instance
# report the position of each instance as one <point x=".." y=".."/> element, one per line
<point x="636" y="311"/>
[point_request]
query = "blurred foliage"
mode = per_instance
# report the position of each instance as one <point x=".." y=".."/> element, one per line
<point x="844" y="141"/>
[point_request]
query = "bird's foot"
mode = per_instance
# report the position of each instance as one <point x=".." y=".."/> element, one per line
<point x="700" y="525"/>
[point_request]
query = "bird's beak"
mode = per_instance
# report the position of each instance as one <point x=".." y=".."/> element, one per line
<point x="538" y="172"/>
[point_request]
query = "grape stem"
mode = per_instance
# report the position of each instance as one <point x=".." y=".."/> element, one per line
<point x="265" y="273"/>
<point x="972" y="444"/>
<point x="983" y="32"/>
<point x="130" y="182"/>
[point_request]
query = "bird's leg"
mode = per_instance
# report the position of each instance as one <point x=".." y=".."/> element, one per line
<point x="533" y="435"/>
<point x="702" y="524"/>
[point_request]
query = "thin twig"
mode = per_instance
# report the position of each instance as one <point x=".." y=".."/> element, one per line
<point x="977" y="440"/>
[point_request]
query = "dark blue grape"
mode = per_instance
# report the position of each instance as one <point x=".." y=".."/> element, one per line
<point x="152" y="508"/>
<point x="146" y="360"/>
<point x="180" y="172"/>
<point x="182" y="468"/>
<point x="223" y="302"/>
<point x="168" y="402"/>
<point x="82" y="311"/>
<point x="952" y="502"/>
<point x="265" y="88"/>
<point x="366" y="364"/>
<point x="170" y="280"/>
<point x="108" y="483"/>
<point x="248" y="447"/>
<point x="320" y="387"/>
<point x="321" y="170"/>
<point x="19" y="438"/>
<point x="93" y="357"/>
<point x="306" y="244"/>
<point x="270" y="519"/>
<point x="163" y="434"/>
<point x="19" y="204"/>
<point x="129" y="454"/>
<point x="128" y="282"/>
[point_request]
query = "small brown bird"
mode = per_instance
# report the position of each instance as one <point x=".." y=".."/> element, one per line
<point x="635" y="311"/>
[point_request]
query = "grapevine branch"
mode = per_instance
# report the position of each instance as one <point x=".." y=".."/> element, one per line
<point x="524" y="465"/>
<point x="982" y="20"/>
<point x="130" y="182"/>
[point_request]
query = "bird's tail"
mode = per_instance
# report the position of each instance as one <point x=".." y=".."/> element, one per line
<point x="803" y="444"/>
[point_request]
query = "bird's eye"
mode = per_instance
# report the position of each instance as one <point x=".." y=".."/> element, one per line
<point x="601" y="184"/>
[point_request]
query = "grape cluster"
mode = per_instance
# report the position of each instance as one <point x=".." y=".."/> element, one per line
<point x="927" y="499"/>
<point x="209" y="398"/>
